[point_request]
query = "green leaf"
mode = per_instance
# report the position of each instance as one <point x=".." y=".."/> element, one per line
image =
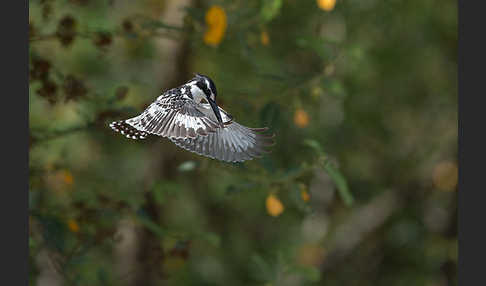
<point x="144" y="219"/>
<point x="159" y="195"/>
<point x="335" y="88"/>
<point x="163" y="189"/>
<point x="315" y="145"/>
<point x="54" y="231"/>
<point x="319" y="45"/>
<point x="310" y="273"/>
<point x="341" y="184"/>
<point x="212" y="238"/>
<point x="103" y="276"/>
<point x="290" y="174"/>
<point x="270" y="115"/>
<point x="334" y="173"/>
<point x="270" y="9"/>
<point x="240" y="187"/>
<point x="195" y="13"/>
<point x="32" y="243"/>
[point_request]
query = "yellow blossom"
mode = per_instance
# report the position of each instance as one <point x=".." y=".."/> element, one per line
<point x="264" y="38"/>
<point x="303" y="192"/>
<point x="216" y="22"/>
<point x="329" y="70"/>
<point x="304" y="195"/>
<point x="326" y="5"/>
<point x="59" y="181"/>
<point x="445" y="176"/>
<point x="274" y="205"/>
<point x="301" y="118"/>
<point x="73" y="225"/>
<point x="67" y="177"/>
<point x="316" y="92"/>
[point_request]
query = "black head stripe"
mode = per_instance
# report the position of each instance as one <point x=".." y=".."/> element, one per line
<point x="212" y="86"/>
<point x="202" y="81"/>
<point x="202" y="86"/>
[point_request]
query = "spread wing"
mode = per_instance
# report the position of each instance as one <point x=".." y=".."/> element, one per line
<point x="171" y="116"/>
<point x="233" y="143"/>
<point x="194" y="127"/>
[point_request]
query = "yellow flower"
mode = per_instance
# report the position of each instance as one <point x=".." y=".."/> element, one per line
<point x="301" y="118"/>
<point x="274" y="205"/>
<point x="445" y="176"/>
<point x="216" y="22"/>
<point x="304" y="195"/>
<point x="59" y="181"/>
<point x="326" y="5"/>
<point x="73" y="225"/>
<point x="67" y="177"/>
<point x="264" y="38"/>
<point x="316" y="92"/>
<point x="303" y="192"/>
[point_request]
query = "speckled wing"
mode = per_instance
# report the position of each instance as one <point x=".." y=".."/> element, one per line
<point x="194" y="127"/>
<point x="173" y="116"/>
<point x="233" y="143"/>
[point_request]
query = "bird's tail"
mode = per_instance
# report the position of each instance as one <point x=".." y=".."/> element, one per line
<point x="128" y="130"/>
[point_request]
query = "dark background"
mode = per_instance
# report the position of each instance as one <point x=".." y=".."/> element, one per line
<point x="363" y="179"/>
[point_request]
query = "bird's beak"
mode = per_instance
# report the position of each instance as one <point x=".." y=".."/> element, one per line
<point x="215" y="108"/>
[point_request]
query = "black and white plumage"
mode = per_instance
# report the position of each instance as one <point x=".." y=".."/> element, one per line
<point x="181" y="115"/>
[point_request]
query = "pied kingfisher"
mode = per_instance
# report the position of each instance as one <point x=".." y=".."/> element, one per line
<point x="189" y="116"/>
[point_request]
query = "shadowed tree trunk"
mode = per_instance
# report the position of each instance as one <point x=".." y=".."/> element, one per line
<point x="145" y="253"/>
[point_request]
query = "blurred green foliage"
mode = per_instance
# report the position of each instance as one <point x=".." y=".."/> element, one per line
<point x="363" y="102"/>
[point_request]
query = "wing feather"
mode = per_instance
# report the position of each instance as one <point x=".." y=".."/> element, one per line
<point x="233" y="143"/>
<point x="173" y="117"/>
<point x="194" y="127"/>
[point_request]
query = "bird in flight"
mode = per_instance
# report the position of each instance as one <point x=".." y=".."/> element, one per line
<point x="189" y="117"/>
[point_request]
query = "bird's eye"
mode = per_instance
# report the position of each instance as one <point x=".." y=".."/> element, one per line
<point x="204" y="101"/>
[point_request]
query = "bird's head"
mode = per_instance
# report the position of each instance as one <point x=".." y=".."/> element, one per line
<point x="206" y="87"/>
